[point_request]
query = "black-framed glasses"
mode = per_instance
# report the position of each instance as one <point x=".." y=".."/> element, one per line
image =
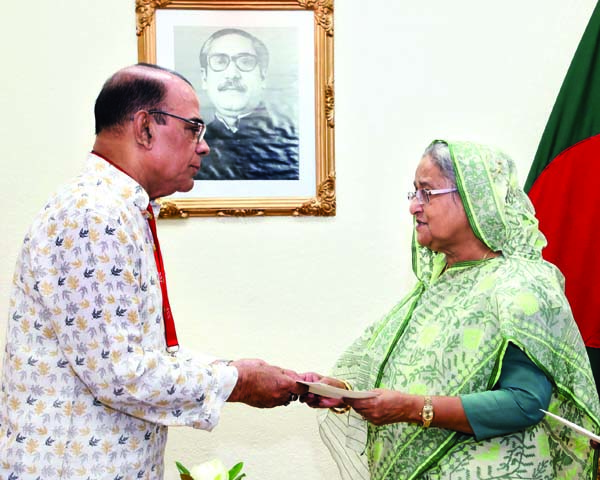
<point x="245" y="62"/>
<point x="197" y="124"/>
<point x="423" y="194"/>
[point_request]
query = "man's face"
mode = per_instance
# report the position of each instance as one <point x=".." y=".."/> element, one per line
<point x="176" y="154"/>
<point x="233" y="90"/>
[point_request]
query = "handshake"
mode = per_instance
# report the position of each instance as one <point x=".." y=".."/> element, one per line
<point x="265" y="386"/>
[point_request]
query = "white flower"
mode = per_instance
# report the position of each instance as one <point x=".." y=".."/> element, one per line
<point x="213" y="470"/>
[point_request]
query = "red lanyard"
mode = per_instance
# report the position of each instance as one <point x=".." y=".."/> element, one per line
<point x="170" y="333"/>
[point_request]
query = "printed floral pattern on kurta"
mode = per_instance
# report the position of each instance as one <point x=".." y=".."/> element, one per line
<point x="88" y="389"/>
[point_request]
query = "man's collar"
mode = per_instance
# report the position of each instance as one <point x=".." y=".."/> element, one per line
<point x="236" y="124"/>
<point x="121" y="181"/>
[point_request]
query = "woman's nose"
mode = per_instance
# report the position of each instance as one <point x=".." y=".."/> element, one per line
<point x="414" y="206"/>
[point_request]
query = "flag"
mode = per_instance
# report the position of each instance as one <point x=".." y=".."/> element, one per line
<point x="564" y="184"/>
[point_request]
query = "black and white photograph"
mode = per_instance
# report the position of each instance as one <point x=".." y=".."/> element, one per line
<point x="247" y="81"/>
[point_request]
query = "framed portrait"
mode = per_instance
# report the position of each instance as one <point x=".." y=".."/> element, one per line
<point x="263" y="72"/>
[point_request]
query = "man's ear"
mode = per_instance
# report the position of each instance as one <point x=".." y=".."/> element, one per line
<point x="203" y="73"/>
<point x="143" y="128"/>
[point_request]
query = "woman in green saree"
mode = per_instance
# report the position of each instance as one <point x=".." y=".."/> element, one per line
<point x="463" y="364"/>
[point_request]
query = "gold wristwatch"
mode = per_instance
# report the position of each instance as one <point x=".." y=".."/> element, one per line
<point x="427" y="412"/>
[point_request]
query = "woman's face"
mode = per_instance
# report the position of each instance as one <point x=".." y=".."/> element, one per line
<point x="441" y="224"/>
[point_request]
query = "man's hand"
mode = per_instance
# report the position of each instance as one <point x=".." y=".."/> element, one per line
<point x="264" y="386"/>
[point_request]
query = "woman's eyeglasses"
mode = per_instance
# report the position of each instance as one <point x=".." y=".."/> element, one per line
<point x="423" y="194"/>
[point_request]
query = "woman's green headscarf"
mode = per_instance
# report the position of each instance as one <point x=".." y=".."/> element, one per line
<point x="499" y="212"/>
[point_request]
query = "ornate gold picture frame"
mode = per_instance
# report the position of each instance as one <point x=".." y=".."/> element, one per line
<point x="162" y="25"/>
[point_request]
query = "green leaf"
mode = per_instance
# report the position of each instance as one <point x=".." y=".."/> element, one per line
<point x="182" y="469"/>
<point x="237" y="468"/>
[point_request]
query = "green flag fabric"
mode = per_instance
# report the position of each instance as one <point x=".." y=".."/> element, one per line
<point x="576" y="113"/>
<point x="563" y="183"/>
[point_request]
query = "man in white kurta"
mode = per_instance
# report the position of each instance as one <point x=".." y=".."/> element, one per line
<point x="88" y="389"/>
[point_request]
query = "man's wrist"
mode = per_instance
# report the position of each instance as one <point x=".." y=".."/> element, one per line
<point x="228" y="377"/>
<point x="222" y="361"/>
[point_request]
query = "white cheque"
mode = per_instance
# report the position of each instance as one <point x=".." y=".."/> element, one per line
<point x="333" y="392"/>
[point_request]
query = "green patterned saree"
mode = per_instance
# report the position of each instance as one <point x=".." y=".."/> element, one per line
<point x="448" y="336"/>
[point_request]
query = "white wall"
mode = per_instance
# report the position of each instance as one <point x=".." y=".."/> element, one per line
<point x="294" y="291"/>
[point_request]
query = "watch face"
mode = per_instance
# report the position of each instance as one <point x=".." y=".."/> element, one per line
<point x="427" y="412"/>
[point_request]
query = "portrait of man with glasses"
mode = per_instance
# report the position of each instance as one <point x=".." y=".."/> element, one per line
<point x="248" y="140"/>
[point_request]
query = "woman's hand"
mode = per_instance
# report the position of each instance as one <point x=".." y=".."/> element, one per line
<point x="388" y="406"/>
<point x="391" y="406"/>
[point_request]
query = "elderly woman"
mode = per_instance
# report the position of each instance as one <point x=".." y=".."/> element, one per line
<point x="461" y="367"/>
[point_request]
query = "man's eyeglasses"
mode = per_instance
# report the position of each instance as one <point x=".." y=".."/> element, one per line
<point x="422" y="195"/>
<point x="199" y="125"/>
<point x="245" y="62"/>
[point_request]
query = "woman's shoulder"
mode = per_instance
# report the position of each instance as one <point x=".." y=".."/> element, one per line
<point x="529" y="284"/>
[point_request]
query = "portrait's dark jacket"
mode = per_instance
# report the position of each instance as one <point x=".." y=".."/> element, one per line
<point x="265" y="147"/>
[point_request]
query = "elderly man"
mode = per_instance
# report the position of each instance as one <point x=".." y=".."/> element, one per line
<point x="248" y="142"/>
<point x="92" y="376"/>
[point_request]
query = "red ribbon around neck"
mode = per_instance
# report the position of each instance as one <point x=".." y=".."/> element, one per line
<point x="170" y="333"/>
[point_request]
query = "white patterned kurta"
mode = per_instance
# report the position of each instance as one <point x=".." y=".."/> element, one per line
<point x="87" y="386"/>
